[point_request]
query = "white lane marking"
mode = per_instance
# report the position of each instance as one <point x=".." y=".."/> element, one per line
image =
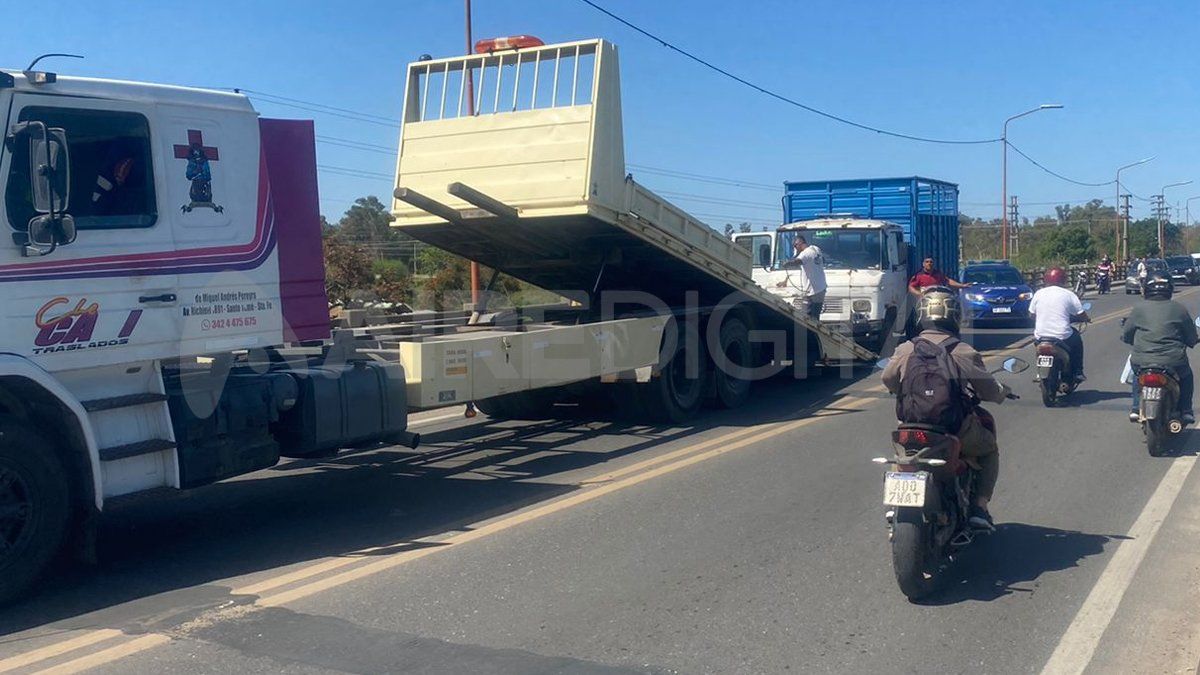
<point x="1079" y="642"/>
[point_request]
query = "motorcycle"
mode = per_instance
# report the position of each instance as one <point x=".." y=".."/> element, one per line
<point x="1158" y="409"/>
<point x="1158" y="406"/>
<point x="1053" y="367"/>
<point x="1103" y="281"/>
<point x="1081" y="283"/>
<point x="930" y="487"/>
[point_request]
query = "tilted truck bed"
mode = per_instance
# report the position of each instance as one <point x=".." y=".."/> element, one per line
<point x="533" y="184"/>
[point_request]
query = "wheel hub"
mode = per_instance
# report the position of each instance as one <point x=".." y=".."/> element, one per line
<point x="16" y="510"/>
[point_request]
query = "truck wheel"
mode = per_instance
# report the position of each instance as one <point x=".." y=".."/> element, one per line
<point x="34" y="508"/>
<point x="672" y="396"/>
<point x="730" y="381"/>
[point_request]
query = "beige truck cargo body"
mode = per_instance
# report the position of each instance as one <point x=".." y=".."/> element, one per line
<point x="528" y="177"/>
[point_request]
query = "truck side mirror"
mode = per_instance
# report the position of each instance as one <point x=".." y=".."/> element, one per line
<point x="52" y="231"/>
<point x="49" y="170"/>
<point x="49" y="187"/>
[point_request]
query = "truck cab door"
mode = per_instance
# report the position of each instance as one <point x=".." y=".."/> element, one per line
<point x="762" y="254"/>
<point x="895" y="284"/>
<point x="111" y="294"/>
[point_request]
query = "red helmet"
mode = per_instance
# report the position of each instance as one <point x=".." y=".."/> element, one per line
<point x="1055" y="276"/>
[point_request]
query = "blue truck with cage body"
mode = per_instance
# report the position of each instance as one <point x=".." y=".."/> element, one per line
<point x="873" y="234"/>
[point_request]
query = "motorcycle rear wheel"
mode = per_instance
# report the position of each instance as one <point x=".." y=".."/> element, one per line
<point x="1156" y="437"/>
<point x="1050" y="392"/>
<point x="913" y="558"/>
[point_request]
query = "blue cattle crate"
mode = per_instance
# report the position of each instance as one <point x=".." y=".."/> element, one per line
<point x="925" y="208"/>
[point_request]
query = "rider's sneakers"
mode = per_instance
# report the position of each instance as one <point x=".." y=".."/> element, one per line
<point x="980" y="519"/>
<point x="1081" y="378"/>
<point x="1135" y="416"/>
<point x="1188" y="418"/>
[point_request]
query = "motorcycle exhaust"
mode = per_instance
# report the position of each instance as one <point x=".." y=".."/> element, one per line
<point x="1175" y="426"/>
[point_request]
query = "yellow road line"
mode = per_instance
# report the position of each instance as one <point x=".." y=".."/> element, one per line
<point x="57" y="649"/>
<point x="109" y="655"/>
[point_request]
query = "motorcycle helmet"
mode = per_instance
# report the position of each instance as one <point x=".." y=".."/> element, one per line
<point x="939" y="310"/>
<point x="1055" y="276"/>
<point x="1158" y="286"/>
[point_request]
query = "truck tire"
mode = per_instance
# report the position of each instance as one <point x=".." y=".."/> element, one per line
<point x="34" y="508"/>
<point x="671" y="396"/>
<point x="732" y="388"/>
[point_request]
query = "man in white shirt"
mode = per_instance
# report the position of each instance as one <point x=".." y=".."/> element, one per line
<point x="1054" y="307"/>
<point x="812" y="284"/>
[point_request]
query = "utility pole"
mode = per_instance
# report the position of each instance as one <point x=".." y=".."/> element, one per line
<point x="1159" y="208"/>
<point x="471" y="112"/>
<point x="1015" y="228"/>
<point x="1124" y="218"/>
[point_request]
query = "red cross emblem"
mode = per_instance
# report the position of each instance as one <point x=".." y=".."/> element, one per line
<point x="195" y="137"/>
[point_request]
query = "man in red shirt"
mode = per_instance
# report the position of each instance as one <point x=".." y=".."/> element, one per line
<point x="927" y="276"/>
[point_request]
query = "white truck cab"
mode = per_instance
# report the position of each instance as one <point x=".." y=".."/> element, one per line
<point x="866" y="263"/>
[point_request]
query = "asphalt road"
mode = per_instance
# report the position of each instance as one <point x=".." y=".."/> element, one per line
<point x="752" y="541"/>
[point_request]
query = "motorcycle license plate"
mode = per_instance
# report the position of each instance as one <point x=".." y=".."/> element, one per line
<point x="1152" y="393"/>
<point x="1002" y="310"/>
<point x="1045" y="362"/>
<point x="904" y="489"/>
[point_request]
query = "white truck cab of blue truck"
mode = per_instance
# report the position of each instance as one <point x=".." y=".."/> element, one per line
<point x="873" y="234"/>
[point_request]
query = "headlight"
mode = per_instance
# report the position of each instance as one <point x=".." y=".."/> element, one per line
<point x="974" y="297"/>
<point x="861" y="305"/>
<point x="1025" y="296"/>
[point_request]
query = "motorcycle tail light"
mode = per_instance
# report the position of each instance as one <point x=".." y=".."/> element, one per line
<point x="910" y="436"/>
<point x="1152" y="380"/>
<point x="1045" y="348"/>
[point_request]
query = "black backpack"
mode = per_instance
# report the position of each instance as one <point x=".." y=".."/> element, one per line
<point x="931" y="390"/>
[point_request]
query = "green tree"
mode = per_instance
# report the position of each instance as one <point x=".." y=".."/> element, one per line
<point x="1143" y="238"/>
<point x="1067" y="245"/>
<point x="392" y="281"/>
<point x="347" y="270"/>
<point x="367" y="221"/>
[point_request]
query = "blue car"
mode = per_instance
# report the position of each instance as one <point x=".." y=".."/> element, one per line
<point x="999" y="293"/>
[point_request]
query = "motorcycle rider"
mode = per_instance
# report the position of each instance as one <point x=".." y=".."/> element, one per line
<point x="939" y="314"/>
<point x="1160" y="331"/>
<point x="1054" y="307"/>
<point x="1104" y="272"/>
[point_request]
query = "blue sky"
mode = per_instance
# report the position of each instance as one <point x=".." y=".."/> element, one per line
<point x="1126" y="72"/>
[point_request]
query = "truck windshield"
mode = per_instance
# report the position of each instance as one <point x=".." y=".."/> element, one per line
<point x="842" y="249"/>
<point x="1005" y="276"/>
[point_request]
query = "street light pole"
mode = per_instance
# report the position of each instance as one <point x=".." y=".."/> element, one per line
<point x="1004" y="174"/>
<point x="1123" y="219"/>
<point x="1187" y="211"/>
<point x="1162" y="205"/>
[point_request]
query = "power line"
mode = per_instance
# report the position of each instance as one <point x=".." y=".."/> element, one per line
<point x="1058" y="175"/>
<point x="709" y="199"/>
<point x="265" y="95"/>
<point x="333" y="139"/>
<point x="778" y="96"/>
<point x="355" y="173"/>
<point x="326" y="112"/>
<point x="355" y="147"/>
<point x="674" y="173"/>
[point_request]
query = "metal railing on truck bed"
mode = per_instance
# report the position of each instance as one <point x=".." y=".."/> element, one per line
<point x="528" y="177"/>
